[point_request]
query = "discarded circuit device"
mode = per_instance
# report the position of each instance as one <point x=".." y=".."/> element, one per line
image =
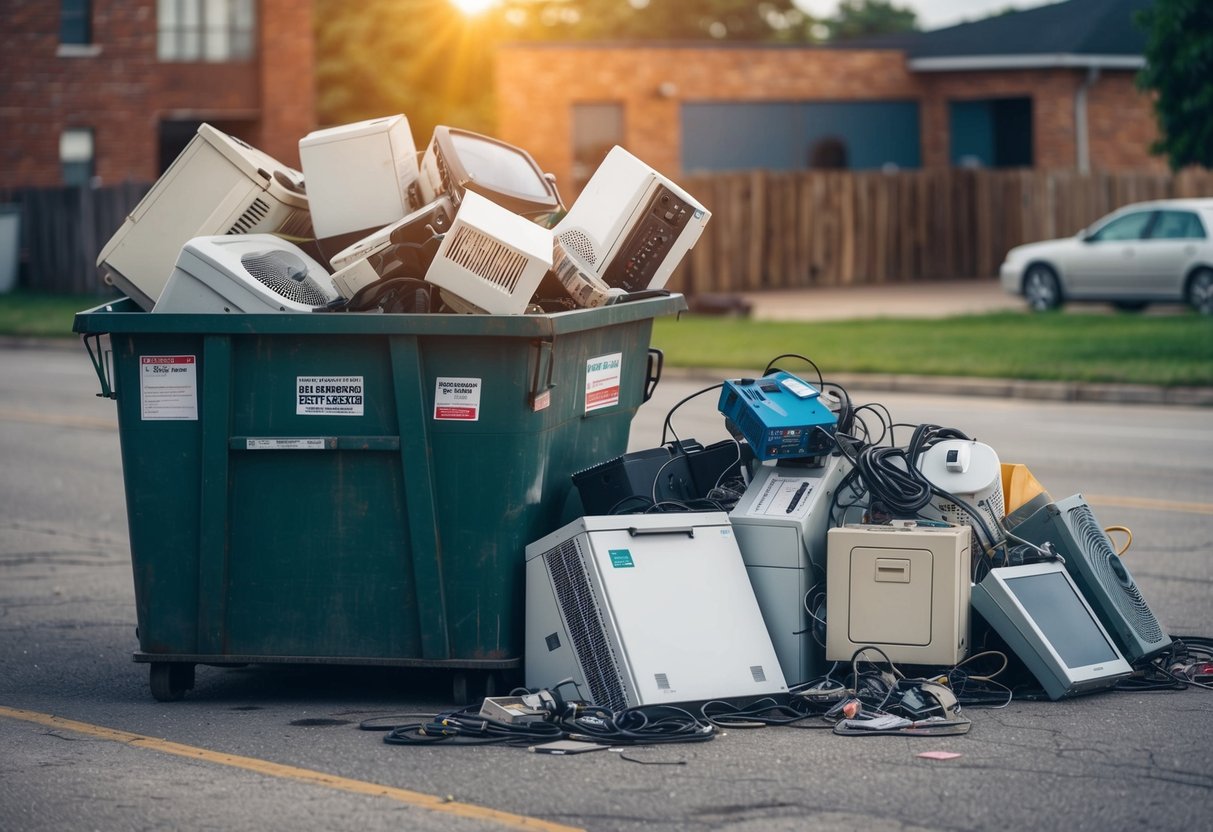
<point x="244" y="273"/>
<point x="1105" y="581"/>
<point x="1040" y="613"/>
<point x="401" y="249"/>
<point x="903" y="588"/>
<point x="217" y="185"/>
<point x="780" y="416"/>
<point x="645" y="609"/>
<point x="971" y="472"/>
<point x="780" y="524"/>
<point x="491" y="260"/>
<point x="627" y="231"/>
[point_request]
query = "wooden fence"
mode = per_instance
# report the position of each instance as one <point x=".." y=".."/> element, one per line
<point x="768" y="230"/>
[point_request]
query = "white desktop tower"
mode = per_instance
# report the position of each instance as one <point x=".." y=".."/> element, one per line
<point x="359" y="175"/>
<point x="902" y="588"/>
<point x="646" y="609"/>
<point x="218" y="185"/>
<point x="492" y="260"/>
<point x="244" y="273"/>
<point x="628" y="230"/>
<point x="781" y="523"/>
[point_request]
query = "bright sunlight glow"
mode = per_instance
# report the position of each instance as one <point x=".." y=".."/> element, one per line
<point x="473" y="7"/>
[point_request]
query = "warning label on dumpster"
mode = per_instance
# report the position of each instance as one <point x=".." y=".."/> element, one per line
<point x="328" y="395"/>
<point x="168" y="387"/>
<point x="602" y="381"/>
<point x="457" y="399"/>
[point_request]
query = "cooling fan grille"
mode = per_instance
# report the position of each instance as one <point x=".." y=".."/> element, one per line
<point x="1112" y="574"/>
<point x="285" y="275"/>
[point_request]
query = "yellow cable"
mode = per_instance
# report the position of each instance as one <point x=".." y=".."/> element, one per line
<point x="1124" y="530"/>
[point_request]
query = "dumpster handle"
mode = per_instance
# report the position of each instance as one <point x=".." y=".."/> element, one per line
<point x="653" y="374"/>
<point x="541" y="378"/>
<point x="689" y="531"/>
<point x="102" y="365"/>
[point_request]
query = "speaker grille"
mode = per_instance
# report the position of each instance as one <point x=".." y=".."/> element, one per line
<point x="285" y="275"/>
<point x="1112" y="575"/>
<point x="579" y="243"/>
<point x="574" y="595"/>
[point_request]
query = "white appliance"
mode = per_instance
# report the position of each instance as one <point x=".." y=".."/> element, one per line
<point x="359" y="175"/>
<point x="218" y="185"/>
<point x="492" y="260"/>
<point x="628" y="230"/>
<point x="392" y="251"/>
<point x="245" y="273"/>
<point x="780" y="524"/>
<point x="903" y="588"/>
<point x="971" y="472"/>
<point x="646" y="609"/>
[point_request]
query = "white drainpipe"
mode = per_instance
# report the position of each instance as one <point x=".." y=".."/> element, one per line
<point x="1082" y="150"/>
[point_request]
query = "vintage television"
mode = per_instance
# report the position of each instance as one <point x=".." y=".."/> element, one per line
<point x="403" y="249"/>
<point x="359" y="176"/>
<point x="460" y="161"/>
<point x="627" y="232"/>
<point x="491" y="260"/>
<point x="217" y="185"/>
<point x="1070" y="526"/>
<point x="1042" y="616"/>
<point x="646" y="609"/>
<point x="244" y="273"/>
<point x="903" y="588"/>
<point x="780" y="523"/>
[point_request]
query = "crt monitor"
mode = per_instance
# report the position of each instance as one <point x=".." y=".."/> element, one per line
<point x="458" y="160"/>
<point x="1041" y="615"/>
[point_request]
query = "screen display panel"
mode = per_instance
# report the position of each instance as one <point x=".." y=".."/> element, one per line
<point x="1049" y="600"/>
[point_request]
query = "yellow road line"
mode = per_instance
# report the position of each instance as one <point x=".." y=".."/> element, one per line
<point x="1148" y="503"/>
<point x="58" y="420"/>
<point x="302" y="775"/>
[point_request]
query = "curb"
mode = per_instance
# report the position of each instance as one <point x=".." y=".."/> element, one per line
<point x="1059" y="391"/>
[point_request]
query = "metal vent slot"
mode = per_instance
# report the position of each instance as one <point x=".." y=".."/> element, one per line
<point x="297" y="224"/>
<point x="571" y="582"/>
<point x="758" y="673"/>
<point x="254" y="214"/>
<point x="487" y="258"/>
<point x="285" y="275"/>
<point x="663" y="681"/>
<point x="580" y="244"/>
<point x="1119" y="584"/>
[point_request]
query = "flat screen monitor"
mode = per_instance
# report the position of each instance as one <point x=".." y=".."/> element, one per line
<point x="1039" y="612"/>
<point x="458" y="160"/>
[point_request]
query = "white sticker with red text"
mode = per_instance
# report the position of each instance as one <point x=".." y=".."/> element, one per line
<point x="602" y="381"/>
<point x="457" y="399"/>
<point x="168" y="387"/>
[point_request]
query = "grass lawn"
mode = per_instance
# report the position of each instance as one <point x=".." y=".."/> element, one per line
<point x="1171" y="350"/>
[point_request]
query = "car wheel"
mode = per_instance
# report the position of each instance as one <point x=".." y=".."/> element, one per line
<point x="1200" y="291"/>
<point x="1040" y="288"/>
<point x="1129" y="305"/>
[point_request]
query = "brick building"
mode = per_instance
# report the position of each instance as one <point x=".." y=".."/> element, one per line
<point x="106" y="91"/>
<point x="1050" y="88"/>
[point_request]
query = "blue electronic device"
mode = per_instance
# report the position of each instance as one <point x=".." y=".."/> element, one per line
<point x="780" y="415"/>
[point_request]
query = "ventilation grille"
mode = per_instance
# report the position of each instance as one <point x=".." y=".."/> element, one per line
<point x="285" y="275"/>
<point x="253" y="215"/>
<point x="1111" y="574"/>
<point x="581" y="244"/>
<point x="662" y="680"/>
<point x="487" y="258"/>
<point x="571" y="582"/>
<point x="297" y="224"/>
<point x="758" y="673"/>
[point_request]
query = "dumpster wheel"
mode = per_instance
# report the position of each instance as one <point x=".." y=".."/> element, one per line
<point x="471" y="686"/>
<point x="170" y="680"/>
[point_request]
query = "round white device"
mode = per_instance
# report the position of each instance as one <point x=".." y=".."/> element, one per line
<point x="971" y="472"/>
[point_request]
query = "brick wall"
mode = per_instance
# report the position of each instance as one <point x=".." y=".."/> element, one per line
<point x="118" y="87"/>
<point x="537" y="85"/>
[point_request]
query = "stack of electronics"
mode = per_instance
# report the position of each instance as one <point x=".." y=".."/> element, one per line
<point x="469" y="225"/>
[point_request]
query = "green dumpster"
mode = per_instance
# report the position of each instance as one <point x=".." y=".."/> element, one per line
<point x="355" y="488"/>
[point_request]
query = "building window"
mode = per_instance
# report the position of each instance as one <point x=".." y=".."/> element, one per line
<point x="596" y="129"/>
<point x="205" y="30"/>
<point x="994" y="133"/>
<point x="76" y="155"/>
<point x="75" y="22"/>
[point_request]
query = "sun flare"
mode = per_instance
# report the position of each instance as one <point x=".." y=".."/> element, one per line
<point x="473" y="7"/>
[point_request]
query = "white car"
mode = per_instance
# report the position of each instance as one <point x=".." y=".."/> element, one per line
<point x="1148" y="252"/>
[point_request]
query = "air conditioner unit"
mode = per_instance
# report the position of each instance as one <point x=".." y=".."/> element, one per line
<point x="780" y="524"/>
<point x="359" y="175"/>
<point x="628" y="230"/>
<point x="218" y="185"/>
<point x="1106" y="583"/>
<point x="646" y="609"/>
<point x="492" y="260"/>
<point x="245" y="273"/>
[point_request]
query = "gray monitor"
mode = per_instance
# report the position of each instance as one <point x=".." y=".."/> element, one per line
<point x="1039" y="612"/>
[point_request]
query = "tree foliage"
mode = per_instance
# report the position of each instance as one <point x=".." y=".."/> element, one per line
<point x="864" y="18"/>
<point x="1179" y="69"/>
